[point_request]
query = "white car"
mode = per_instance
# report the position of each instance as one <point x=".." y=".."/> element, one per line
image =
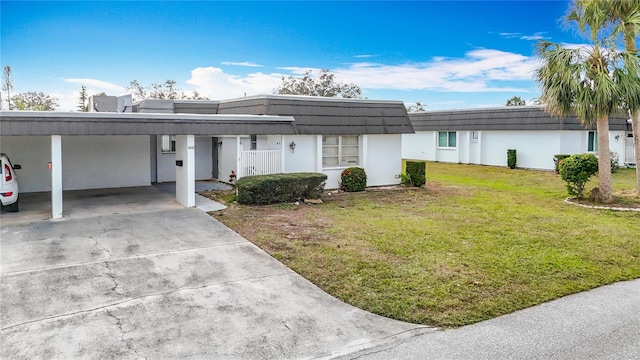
<point x="8" y="183"/>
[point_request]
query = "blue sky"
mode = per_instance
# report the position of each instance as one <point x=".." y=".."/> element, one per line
<point x="445" y="54"/>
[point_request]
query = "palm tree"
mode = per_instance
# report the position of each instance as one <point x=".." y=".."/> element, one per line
<point x="591" y="83"/>
<point x="619" y="17"/>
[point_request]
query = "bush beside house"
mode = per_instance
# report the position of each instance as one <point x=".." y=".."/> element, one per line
<point x="576" y="171"/>
<point x="278" y="188"/>
<point x="416" y="172"/>
<point x="353" y="179"/>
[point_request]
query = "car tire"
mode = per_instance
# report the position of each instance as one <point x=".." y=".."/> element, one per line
<point x="13" y="207"/>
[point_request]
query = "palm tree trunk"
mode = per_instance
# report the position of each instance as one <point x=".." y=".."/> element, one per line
<point x="604" y="160"/>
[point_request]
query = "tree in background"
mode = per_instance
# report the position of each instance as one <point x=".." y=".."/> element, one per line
<point x="417" y="107"/>
<point x="82" y="100"/>
<point x="592" y="83"/>
<point x="324" y="85"/>
<point x="516" y="101"/>
<point x="166" y="90"/>
<point x="617" y="17"/>
<point x="7" y="84"/>
<point x="35" y="101"/>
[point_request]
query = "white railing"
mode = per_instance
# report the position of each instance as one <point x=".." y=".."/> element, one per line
<point x="260" y="162"/>
<point x="629" y="154"/>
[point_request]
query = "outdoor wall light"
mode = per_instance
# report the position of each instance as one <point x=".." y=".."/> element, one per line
<point x="220" y="144"/>
<point x="293" y="146"/>
<point x="617" y="138"/>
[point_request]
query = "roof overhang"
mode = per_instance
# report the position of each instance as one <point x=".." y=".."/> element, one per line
<point x="81" y="123"/>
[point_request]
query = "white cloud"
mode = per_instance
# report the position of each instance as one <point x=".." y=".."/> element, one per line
<point x="98" y="84"/>
<point x="509" y="35"/>
<point x="480" y="70"/>
<point x="363" y="56"/>
<point x="244" y="63"/>
<point x="516" y="35"/>
<point x="216" y="84"/>
<point x="67" y="101"/>
<point x="534" y="37"/>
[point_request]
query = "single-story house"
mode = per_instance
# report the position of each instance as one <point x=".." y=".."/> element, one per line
<point x="121" y="144"/>
<point x="483" y="136"/>
<point x="330" y="135"/>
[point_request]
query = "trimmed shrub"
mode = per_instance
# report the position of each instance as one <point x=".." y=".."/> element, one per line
<point x="557" y="159"/>
<point x="511" y="158"/>
<point x="278" y="188"/>
<point x="416" y="170"/>
<point x="353" y="179"/>
<point x="576" y="171"/>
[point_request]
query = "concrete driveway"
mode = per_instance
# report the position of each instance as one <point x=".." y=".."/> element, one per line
<point x="146" y="278"/>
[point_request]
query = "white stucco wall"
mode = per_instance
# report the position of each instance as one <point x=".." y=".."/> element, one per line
<point x="383" y="159"/>
<point x="227" y="157"/>
<point x="32" y="153"/>
<point x="89" y="162"/>
<point x="380" y="156"/>
<point x="535" y="149"/>
<point x="419" y="146"/>
<point x="93" y="162"/>
<point x="304" y="157"/>
<point x="166" y="162"/>
<point x="204" y="164"/>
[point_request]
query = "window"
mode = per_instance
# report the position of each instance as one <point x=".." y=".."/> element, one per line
<point x="447" y="139"/>
<point x="168" y="144"/>
<point x="340" y="151"/>
<point x="254" y="142"/>
<point x="592" y="141"/>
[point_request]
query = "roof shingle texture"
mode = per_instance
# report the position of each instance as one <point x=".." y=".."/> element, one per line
<point x="504" y="118"/>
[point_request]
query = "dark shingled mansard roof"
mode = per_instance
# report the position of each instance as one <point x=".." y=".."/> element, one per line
<point x="327" y="116"/>
<point x="264" y="115"/>
<point x="503" y="118"/>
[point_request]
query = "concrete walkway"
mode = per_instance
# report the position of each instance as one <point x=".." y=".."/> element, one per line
<point x="150" y="279"/>
<point x="603" y="323"/>
<point x="202" y="203"/>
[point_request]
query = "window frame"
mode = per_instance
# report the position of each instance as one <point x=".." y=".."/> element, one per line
<point x="340" y="146"/>
<point x="171" y="143"/>
<point x="592" y="141"/>
<point x="448" y="145"/>
<point x="475" y="136"/>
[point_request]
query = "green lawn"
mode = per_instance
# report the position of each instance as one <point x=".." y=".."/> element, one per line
<point x="476" y="243"/>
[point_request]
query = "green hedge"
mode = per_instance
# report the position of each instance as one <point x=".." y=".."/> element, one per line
<point x="511" y="158"/>
<point x="416" y="170"/>
<point x="278" y="188"/>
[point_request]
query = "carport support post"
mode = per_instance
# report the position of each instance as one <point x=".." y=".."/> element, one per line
<point x="186" y="170"/>
<point x="282" y="151"/>
<point x="239" y="172"/>
<point x="56" y="176"/>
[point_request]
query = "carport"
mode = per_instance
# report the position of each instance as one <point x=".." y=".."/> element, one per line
<point x="58" y="126"/>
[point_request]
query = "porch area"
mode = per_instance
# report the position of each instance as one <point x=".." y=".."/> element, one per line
<point x="629" y="154"/>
